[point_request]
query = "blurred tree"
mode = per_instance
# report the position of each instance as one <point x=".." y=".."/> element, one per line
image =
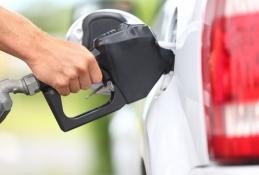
<point x="147" y="9"/>
<point x="49" y="17"/>
<point x="104" y="165"/>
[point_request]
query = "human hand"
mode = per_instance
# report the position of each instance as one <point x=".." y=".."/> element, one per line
<point x="63" y="65"/>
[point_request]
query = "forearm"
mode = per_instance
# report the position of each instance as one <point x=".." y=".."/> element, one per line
<point x="65" y="66"/>
<point x="18" y="36"/>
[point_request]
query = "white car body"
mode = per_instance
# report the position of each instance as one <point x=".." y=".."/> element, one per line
<point x="173" y="136"/>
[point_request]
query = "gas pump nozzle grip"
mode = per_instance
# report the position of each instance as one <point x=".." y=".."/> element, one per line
<point x="66" y="123"/>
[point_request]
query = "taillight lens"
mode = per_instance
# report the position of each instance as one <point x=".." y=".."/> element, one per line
<point x="230" y="68"/>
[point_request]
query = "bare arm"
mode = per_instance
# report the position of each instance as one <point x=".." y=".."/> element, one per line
<point x="66" y="66"/>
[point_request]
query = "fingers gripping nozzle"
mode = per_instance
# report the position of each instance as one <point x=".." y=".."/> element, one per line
<point x="27" y="85"/>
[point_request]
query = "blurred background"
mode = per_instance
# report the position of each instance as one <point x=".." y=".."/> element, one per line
<point x="30" y="139"/>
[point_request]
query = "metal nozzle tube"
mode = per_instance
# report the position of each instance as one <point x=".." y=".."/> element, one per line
<point x="27" y="85"/>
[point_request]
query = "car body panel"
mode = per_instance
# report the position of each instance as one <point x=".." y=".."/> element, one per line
<point x="174" y="119"/>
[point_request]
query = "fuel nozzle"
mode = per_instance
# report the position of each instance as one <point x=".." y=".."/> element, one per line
<point x="28" y="85"/>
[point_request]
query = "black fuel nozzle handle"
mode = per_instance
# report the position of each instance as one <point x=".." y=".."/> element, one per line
<point x="66" y="123"/>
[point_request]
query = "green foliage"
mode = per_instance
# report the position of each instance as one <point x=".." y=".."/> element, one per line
<point x="50" y="18"/>
<point x="146" y="9"/>
<point x="102" y="138"/>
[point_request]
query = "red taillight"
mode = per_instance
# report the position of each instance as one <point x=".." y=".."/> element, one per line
<point x="230" y="61"/>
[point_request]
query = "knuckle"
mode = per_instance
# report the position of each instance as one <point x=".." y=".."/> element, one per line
<point x="91" y="59"/>
<point x="75" y="90"/>
<point x="62" y="83"/>
<point x="63" y="91"/>
<point x="66" y="93"/>
<point x="85" y="84"/>
<point x="97" y="78"/>
<point x="82" y="68"/>
<point x="72" y="75"/>
<point x="86" y="62"/>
